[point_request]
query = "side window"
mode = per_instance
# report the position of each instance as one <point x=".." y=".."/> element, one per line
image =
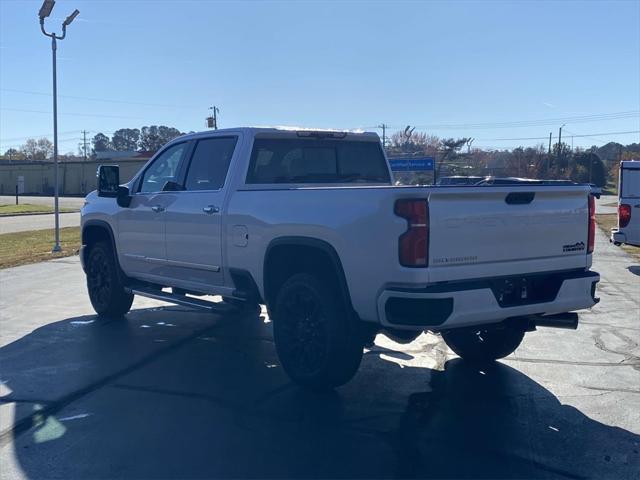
<point x="163" y="169"/>
<point x="210" y="163"/>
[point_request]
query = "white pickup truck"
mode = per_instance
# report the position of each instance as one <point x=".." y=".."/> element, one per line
<point x="310" y="224"/>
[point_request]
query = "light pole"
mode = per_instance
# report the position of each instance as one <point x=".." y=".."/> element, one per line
<point x="560" y="145"/>
<point x="44" y="12"/>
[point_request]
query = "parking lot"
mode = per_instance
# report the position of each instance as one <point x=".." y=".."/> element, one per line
<point x="172" y="393"/>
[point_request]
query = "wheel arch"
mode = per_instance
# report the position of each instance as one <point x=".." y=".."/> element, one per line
<point x="296" y="254"/>
<point x="94" y="231"/>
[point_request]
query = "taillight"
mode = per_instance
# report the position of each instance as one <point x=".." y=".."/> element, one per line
<point x="591" y="238"/>
<point x="413" y="244"/>
<point x="624" y="215"/>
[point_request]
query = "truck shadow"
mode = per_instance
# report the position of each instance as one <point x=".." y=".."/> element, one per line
<point x="169" y="393"/>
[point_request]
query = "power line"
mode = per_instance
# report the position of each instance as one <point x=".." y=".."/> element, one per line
<point x="545" y="138"/>
<point x="13" y="139"/>
<point x="531" y="123"/>
<point x="574" y="134"/>
<point x="97" y="99"/>
<point x="69" y="113"/>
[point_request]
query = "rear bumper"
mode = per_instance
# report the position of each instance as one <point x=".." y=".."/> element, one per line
<point x="617" y="236"/>
<point x="460" y="304"/>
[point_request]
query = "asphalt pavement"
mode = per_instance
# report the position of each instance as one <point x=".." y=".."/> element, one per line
<point x="172" y="393"/>
<point x="63" y="202"/>
<point x="25" y="223"/>
<point x="607" y="204"/>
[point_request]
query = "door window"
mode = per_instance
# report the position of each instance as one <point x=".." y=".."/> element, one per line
<point x="163" y="169"/>
<point x="210" y="163"/>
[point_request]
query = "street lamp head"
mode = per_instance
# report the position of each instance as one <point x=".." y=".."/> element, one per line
<point x="71" y="17"/>
<point x="45" y="9"/>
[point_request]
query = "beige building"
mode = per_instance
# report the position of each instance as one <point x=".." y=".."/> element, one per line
<point x="76" y="177"/>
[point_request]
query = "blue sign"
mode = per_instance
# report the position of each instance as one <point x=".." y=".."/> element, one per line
<point x="422" y="164"/>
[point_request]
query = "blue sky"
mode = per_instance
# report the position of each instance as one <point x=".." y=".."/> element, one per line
<point x="448" y="66"/>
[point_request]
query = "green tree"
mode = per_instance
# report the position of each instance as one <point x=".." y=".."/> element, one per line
<point x="13" y="154"/>
<point x="450" y="148"/>
<point x="153" y="137"/>
<point x="125" y="139"/>
<point x="588" y="168"/>
<point x="561" y="155"/>
<point x="101" y="143"/>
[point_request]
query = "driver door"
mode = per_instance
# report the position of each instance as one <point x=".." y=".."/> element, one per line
<point x="142" y="226"/>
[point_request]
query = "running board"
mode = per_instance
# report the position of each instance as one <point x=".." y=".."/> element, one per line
<point x="215" y="307"/>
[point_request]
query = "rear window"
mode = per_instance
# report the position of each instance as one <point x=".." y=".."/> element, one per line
<point x="316" y="161"/>
<point x="630" y="182"/>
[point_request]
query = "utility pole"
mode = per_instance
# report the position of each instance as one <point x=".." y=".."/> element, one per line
<point x="549" y="155"/>
<point x="212" y="120"/>
<point x="84" y="143"/>
<point x="383" y="126"/>
<point x="44" y="12"/>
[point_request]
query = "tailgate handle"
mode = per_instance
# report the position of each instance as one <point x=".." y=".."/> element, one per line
<point x="520" y="198"/>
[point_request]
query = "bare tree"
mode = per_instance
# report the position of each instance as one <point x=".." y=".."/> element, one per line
<point x="37" y="149"/>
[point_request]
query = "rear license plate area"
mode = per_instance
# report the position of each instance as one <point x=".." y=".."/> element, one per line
<point x="526" y="290"/>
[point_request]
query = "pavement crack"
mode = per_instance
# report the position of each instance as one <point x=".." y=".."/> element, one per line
<point x="624" y="363"/>
<point x="610" y="390"/>
<point x="628" y="344"/>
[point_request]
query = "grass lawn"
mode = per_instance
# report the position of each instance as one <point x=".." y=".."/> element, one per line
<point x="28" y="208"/>
<point x="607" y="221"/>
<point x="21" y="248"/>
<point x="611" y="188"/>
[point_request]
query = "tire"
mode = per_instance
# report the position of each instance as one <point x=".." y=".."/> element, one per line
<point x="106" y="290"/>
<point x="316" y="340"/>
<point x="484" y="345"/>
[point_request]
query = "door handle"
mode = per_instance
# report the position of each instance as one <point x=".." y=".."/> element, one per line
<point x="157" y="208"/>
<point x="209" y="209"/>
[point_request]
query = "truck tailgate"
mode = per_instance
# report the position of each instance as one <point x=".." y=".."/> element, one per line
<point x="506" y="230"/>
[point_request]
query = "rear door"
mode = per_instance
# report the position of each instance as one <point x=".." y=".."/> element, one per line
<point x="630" y="195"/>
<point x="483" y="231"/>
<point x="193" y="221"/>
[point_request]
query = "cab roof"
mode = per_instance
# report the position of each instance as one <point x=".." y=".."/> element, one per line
<point x="287" y="132"/>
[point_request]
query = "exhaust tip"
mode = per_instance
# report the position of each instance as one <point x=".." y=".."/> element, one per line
<point x="568" y="320"/>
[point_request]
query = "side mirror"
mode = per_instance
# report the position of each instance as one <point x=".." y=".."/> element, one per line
<point x="108" y="180"/>
<point x="124" y="197"/>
